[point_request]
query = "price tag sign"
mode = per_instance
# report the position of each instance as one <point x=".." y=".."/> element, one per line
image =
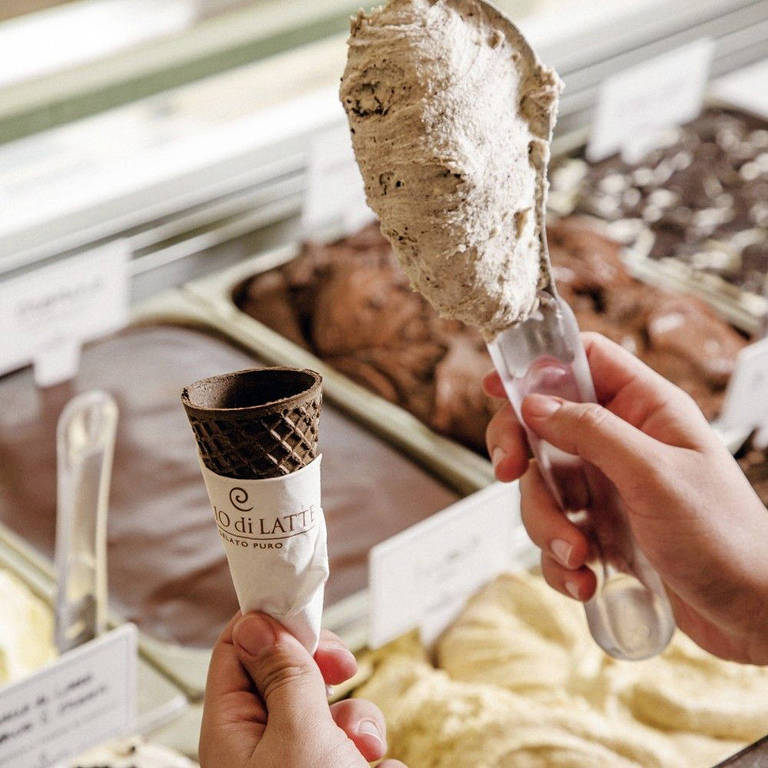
<point x="635" y="104"/>
<point x="441" y="561"/>
<point x="335" y="194"/>
<point x="85" y="698"/>
<point x="746" y="399"/>
<point x="48" y="313"/>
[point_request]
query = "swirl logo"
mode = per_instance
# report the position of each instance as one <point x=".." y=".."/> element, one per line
<point x="238" y="497"/>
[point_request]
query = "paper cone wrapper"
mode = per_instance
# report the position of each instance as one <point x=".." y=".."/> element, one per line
<point x="273" y="532"/>
<point x="257" y="439"/>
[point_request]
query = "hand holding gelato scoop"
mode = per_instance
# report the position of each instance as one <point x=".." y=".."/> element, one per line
<point x="451" y="116"/>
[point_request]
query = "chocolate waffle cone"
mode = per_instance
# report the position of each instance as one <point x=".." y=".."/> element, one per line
<point x="257" y="423"/>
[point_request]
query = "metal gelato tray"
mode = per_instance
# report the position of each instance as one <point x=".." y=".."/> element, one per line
<point x="182" y="668"/>
<point x="187" y="666"/>
<point x="207" y="306"/>
<point x="160" y="702"/>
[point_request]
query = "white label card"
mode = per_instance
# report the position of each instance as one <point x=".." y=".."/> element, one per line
<point x="423" y="576"/>
<point x="48" y="313"/>
<point x="335" y="194"/>
<point x="746" y="399"/>
<point x="80" y="701"/>
<point x="637" y="103"/>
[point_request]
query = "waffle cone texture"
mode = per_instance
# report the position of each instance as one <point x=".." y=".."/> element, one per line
<point x="257" y="423"/>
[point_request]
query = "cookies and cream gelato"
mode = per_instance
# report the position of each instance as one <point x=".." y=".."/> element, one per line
<point x="702" y="193"/>
<point x="451" y="115"/>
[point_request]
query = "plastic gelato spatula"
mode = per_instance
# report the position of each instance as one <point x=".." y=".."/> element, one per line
<point x="85" y="446"/>
<point x="629" y="615"/>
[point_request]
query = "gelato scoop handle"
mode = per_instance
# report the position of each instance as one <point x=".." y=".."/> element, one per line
<point x="629" y="615"/>
<point x="85" y="440"/>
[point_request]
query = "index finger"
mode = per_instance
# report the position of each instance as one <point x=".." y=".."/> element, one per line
<point x="639" y="395"/>
<point x="225" y="672"/>
<point x="613" y="367"/>
<point x="507" y="445"/>
<point x="337" y="663"/>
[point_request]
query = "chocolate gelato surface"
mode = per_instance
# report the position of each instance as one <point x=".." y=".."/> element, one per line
<point x="677" y="335"/>
<point x="703" y="192"/>
<point x="352" y="305"/>
<point x="167" y="569"/>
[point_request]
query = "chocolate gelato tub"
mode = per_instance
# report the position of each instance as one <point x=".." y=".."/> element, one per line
<point x="344" y="307"/>
<point x="464" y="469"/>
<point x="167" y="569"/>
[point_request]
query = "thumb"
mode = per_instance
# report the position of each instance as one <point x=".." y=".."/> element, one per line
<point x="282" y="670"/>
<point x="622" y="452"/>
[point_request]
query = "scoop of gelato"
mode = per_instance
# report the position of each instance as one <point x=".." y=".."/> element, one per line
<point x="451" y="116"/>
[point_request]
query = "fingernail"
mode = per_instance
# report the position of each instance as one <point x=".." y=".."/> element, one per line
<point x="542" y="406"/>
<point x="562" y="551"/>
<point x="497" y="456"/>
<point x="370" y="728"/>
<point x="572" y="589"/>
<point x="253" y="633"/>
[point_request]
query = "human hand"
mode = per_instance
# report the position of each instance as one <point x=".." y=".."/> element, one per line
<point x="266" y="706"/>
<point x="691" y="510"/>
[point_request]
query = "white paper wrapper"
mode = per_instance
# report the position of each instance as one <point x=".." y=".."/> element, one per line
<point x="274" y="536"/>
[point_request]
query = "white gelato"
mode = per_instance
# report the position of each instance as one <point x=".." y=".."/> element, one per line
<point x="436" y="722"/>
<point x="27" y="645"/>
<point x="451" y="116"/>
<point x="26" y="630"/>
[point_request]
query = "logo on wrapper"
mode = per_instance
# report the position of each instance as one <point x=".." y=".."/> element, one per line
<point x="239" y="524"/>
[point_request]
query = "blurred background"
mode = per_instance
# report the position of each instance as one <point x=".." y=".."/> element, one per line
<point x="102" y="98"/>
<point x="178" y="197"/>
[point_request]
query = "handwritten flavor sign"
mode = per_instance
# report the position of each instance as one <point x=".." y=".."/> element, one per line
<point x="48" y="313"/>
<point x="85" y="698"/>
